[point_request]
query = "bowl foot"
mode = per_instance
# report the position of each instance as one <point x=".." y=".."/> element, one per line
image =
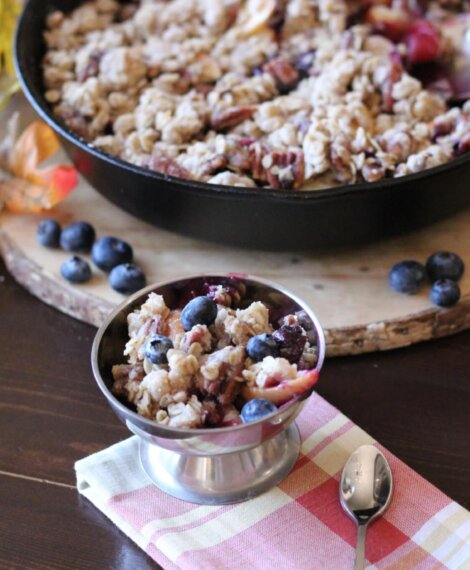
<point x="222" y="479"/>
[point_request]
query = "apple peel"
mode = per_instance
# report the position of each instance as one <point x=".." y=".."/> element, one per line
<point x="285" y="390"/>
<point x="27" y="187"/>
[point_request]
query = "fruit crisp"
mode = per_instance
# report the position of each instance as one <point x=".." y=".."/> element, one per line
<point x="199" y="365"/>
<point x="286" y="94"/>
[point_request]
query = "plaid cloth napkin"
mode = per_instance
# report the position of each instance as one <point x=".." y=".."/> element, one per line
<point x="297" y="525"/>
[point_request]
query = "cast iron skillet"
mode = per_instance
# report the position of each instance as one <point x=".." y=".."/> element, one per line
<point x="247" y="217"/>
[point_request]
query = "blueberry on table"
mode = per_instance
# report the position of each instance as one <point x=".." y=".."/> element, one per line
<point x="407" y="277"/>
<point x="76" y="270"/>
<point x="258" y="347"/>
<point x="445" y="293"/>
<point x="199" y="311"/>
<point x="48" y="233"/>
<point x="156" y="348"/>
<point x="256" y="409"/>
<point x="109" y="251"/>
<point x="77" y="237"/>
<point x="444" y="265"/>
<point x="127" y="278"/>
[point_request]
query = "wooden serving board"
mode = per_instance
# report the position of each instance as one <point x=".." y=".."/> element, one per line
<point x="348" y="289"/>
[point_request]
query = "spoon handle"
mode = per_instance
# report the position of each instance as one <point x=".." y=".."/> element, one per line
<point x="360" y="547"/>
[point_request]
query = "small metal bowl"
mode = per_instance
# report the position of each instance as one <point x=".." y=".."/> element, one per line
<point x="208" y="466"/>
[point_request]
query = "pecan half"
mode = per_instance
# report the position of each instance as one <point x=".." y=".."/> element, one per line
<point x="214" y="165"/>
<point x="281" y="170"/>
<point x="287" y="171"/>
<point x="283" y="72"/>
<point x="231" y="117"/>
<point x="166" y="165"/>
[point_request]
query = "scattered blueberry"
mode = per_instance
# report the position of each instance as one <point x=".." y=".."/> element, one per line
<point x="256" y="409"/>
<point x="76" y="270"/>
<point x="127" y="278"/>
<point x="445" y="293"/>
<point x="157" y="347"/>
<point x="444" y="265"/>
<point x="258" y="347"/>
<point x="291" y="340"/>
<point x="48" y="233"/>
<point x="109" y="251"/>
<point x="199" y="311"/>
<point x="78" y="236"/>
<point x="407" y="276"/>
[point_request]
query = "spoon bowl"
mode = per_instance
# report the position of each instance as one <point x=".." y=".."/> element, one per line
<point x="365" y="491"/>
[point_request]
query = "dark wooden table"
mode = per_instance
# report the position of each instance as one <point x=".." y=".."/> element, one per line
<point x="415" y="401"/>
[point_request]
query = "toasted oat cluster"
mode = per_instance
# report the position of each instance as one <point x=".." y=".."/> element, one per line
<point x="183" y="373"/>
<point x="286" y="94"/>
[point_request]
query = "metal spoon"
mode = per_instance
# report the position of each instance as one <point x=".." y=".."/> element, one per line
<point x="365" y="492"/>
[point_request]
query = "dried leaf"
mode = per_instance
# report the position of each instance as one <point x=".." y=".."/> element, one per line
<point x="37" y="143"/>
<point x="31" y="188"/>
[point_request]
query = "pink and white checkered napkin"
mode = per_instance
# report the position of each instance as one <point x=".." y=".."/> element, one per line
<point x="297" y="525"/>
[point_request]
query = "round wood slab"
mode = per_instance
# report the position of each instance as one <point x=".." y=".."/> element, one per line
<point x="348" y="289"/>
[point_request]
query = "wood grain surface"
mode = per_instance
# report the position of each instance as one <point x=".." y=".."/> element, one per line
<point x="348" y="289"/>
<point x="415" y="401"/>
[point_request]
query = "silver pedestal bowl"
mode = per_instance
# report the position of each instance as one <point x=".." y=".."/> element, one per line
<point x="211" y="465"/>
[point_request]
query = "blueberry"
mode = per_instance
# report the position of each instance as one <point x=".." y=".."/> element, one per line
<point x="407" y="276"/>
<point x="109" y="251"/>
<point x="445" y="293"/>
<point x="199" y="311"/>
<point x="291" y="340"/>
<point x="127" y="278"/>
<point x="444" y="265"/>
<point x="263" y="345"/>
<point x="256" y="409"/>
<point x="76" y="270"/>
<point x="157" y="347"/>
<point x="78" y="236"/>
<point x="48" y="233"/>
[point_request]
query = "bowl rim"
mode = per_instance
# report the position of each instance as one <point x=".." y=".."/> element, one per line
<point x="131" y="300"/>
<point x="44" y="110"/>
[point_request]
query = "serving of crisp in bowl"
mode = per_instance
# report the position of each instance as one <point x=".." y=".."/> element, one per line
<point x="210" y="373"/>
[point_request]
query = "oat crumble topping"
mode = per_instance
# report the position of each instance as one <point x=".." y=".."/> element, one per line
<point x="287" y="94"/>
<point x="208" y="375"/>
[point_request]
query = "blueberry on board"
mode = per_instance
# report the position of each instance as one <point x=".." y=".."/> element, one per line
<point x="48" y="233"/>
<point x="77" y="237"/>
<point x="256" y="409"/>
<point x="199" y="311"/>
<point x="444" y="265"/>
<point x="258" y="347"/>
<point x="109" y="251"/>
<point x="76" y="270"/>
<point x="127" y="278"/>
<point x="156" y="348"/>
<point x="445" y="293"/>
<point x="407" y="277"/>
